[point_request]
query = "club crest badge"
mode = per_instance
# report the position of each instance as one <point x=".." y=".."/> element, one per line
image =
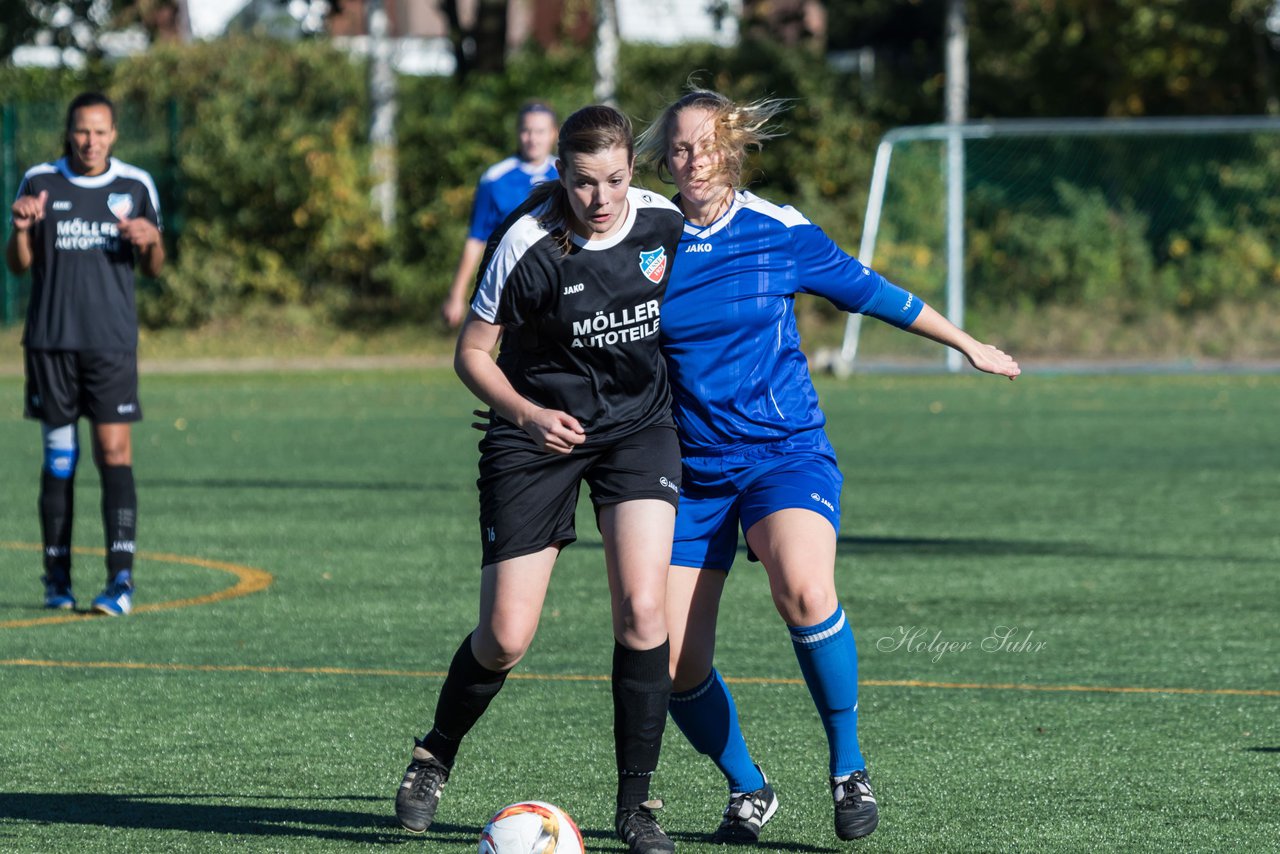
<point x="120" y="204"/>
<point x="653" y="264"/>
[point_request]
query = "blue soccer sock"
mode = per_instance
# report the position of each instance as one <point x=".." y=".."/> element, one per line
<point x="708" y="717"/>
<point x="828" y="659"/>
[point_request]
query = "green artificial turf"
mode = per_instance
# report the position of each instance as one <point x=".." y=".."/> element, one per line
<point x="1119" y="534"/>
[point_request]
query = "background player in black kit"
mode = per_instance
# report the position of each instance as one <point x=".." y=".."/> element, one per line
<point x="79" y="225"/>
<point x="572" y="286"/>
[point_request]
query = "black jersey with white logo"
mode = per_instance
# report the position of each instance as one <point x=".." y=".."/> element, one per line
<point x="581" y="330"/>
<point x="82" y="294"/>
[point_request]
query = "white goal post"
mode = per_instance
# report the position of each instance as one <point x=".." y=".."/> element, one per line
<point x="955" y="136"/>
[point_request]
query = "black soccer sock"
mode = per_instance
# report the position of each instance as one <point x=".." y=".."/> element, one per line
<point x="641" y="691"/>
<point x="57" y="507"/>
<point x="466" y="693"/>
<point x="119" y="518"/>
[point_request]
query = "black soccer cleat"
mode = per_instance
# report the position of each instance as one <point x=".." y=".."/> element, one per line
<point x="746" y="813"/>
<point x="419" y="793"/>
<point x="639" y="829"/>
<point x="856" y="811"/>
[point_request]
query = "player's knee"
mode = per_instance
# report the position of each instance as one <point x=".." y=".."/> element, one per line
<point x="806" y="604"/>
<point x="61" y="451"/>
<point x="501" y="650"/>
<point x="642" y="620"/>
<point x="116" y="454"/>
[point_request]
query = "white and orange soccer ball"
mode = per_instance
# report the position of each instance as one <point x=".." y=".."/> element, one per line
<point x="531" y="827"/>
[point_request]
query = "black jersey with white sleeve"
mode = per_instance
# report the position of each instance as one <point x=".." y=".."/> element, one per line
<point x="581" y="330"/>
<point x="82" y="280"/>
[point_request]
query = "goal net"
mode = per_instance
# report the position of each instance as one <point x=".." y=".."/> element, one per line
<point x="1117" y="241"/>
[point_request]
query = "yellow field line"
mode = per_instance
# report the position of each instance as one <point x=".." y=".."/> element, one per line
<point x="436" y="674"/>
<point x="248" y="580"/>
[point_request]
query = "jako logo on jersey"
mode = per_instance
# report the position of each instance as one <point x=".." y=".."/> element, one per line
<point x="573" y="289"/>
<point x="824" y="502"/>
<point x="125" y="408"/>
<point x="668" y="484"/>
<point x="62" y="205"/>
<point x="698" y="247"/>
<point x="653" y="264"/>
<point x="120" y="204"/>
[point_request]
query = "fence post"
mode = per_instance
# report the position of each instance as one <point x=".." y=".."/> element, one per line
<point x="8" y="187"/>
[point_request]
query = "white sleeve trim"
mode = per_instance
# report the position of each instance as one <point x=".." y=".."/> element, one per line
<point x="517" y="241"/>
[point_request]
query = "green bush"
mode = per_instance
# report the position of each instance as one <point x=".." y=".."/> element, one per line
<point x="447" y="136"/>
<point x="261" y="154"/>
<point x="274" y="184"/>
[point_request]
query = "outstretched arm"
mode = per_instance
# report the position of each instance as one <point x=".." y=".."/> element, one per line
<point x="985" y="357"/>
<point x="554" y="431"/>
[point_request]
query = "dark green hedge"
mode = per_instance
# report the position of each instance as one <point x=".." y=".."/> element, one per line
<point x="261" y="148"/>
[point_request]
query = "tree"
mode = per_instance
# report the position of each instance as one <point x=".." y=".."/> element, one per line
<point x="77" y="24"/>
<point x="481" y="46"/>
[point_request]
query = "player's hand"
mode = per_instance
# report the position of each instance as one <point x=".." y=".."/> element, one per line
<point x="453" y="310"/>
<point x="483" y="424"/>
<point x="140" y="232"/>
<point x="28" y="210"/>
<point x="992" y="360"/>
<point x="555" y="431"/>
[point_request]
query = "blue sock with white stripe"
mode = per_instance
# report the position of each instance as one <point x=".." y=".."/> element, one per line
<point x="828" y="659"/>
<point x="708" y="717"/>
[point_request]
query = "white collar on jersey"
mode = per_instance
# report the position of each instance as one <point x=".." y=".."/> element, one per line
<point x="89" y="182"/>
<point x="615" y="238"/>
<point x="539" y="168"/>
<point x="704" y="231"/>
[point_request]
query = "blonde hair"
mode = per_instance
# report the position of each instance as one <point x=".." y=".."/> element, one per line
<point x="590" y="130"/>
<point x="737" y="129"/>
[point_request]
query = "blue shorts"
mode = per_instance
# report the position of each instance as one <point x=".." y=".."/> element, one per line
<point x="721" y="494"/>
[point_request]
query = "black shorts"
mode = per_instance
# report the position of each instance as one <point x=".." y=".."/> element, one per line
<point x="528" y="497"/>
<point x="65" y="385"/>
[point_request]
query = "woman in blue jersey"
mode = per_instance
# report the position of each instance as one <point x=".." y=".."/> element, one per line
<point x="501" y="189"/>
<point x="755" y="452"/>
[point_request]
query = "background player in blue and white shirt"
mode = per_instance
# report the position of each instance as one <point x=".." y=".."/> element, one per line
<point x="756" y="455"/>
<point x="79" y="225"/>
<point x="502" y="188"/>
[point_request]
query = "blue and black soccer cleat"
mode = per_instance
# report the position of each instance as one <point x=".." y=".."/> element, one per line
<point x="57" y="594"/>
<point x="117" y="599"/>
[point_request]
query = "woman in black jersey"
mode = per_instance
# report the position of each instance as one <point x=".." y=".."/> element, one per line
<point x="571" y="286"/>
<point x="79" y="225"/>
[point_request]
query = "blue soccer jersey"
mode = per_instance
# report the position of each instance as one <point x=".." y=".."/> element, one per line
<point x="502" y="188"/>
<point x="729" y="326"/>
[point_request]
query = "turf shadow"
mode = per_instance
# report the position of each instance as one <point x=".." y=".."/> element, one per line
<point x="599" y="840"/>
<point x="178" y="812"/>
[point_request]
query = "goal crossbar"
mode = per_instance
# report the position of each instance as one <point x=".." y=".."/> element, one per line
<point x="955" y="135"/>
